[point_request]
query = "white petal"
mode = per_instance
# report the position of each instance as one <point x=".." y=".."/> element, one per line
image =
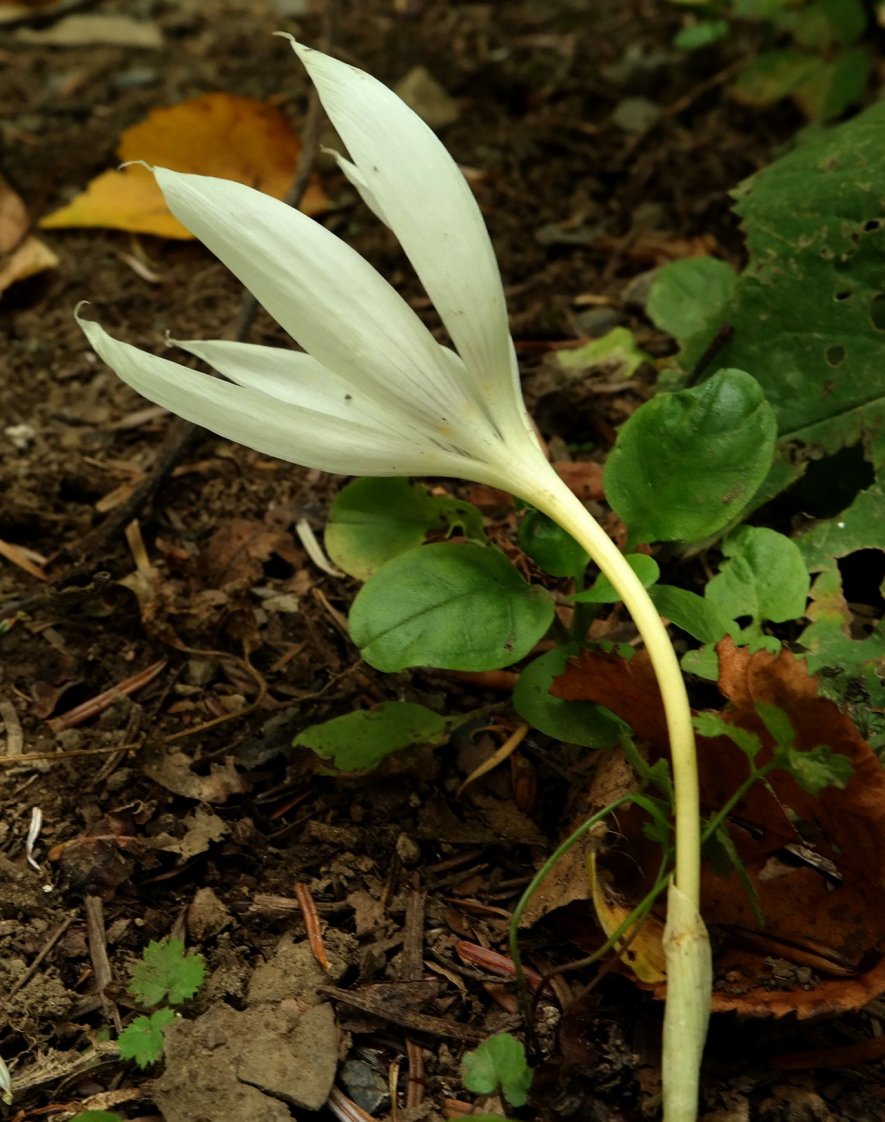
<point x="270" y="426"/>
<point x="358" y="180"/>
<point x="290" y="376"/>
<point x="431" y="209"/>
<point x="322" y="292"/>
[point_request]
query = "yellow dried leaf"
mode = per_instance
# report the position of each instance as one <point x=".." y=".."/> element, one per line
<point x="641" y="951"/>
<point x="218" y="134"/>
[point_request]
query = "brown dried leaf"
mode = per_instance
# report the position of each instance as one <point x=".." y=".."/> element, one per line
<point x="218" y="134"/>
<point x="236" y="551"/>
<point x="817" y="864"/>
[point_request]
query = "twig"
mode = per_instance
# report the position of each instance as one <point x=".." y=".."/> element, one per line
<point x="98" y="953"/>
<point x="417" y="1022"/>
<point x="104" y="700"/>
<point x="312" y="924"/>
<point x="44" y="951"/>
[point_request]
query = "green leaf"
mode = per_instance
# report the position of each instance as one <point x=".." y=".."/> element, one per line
<point x="143" y="1039"/>
<point x="763" y="577"/>
<point x="97" y="1116"/>
<point x="551" y="547"/>
<point x="165" y="971"/>
<point x="808" y="312"/>
<point x="834" y="84"/>
<point x="603" y="591"/>
<point x="829" y="641"/>
<point x="700" y="34"/>
<point x="498" y="1062"/>
<point x="458" y="606"/>
<point x="374" y="520"/>
<point x="690" y="295"/>
<point x="361" y="740"/>
<point x="826" y="24"/>
<point x="703" y="663"/>
<point x="574" y="722"/>
<point x="617" y="352"/>
<point x="687" y="463"/>
<point x="711" y="725"/>
<point x="774" y="75"/>
<point x="816" y="768"/>
<point x="700" y="618"/>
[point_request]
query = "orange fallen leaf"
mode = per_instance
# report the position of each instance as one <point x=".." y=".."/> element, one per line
<point x="817" y="864"/>
<point x="217" y="134"/>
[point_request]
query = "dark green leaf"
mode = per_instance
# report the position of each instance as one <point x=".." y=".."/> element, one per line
<point x="458" y="606"/>
<point x="687" y="463"/>
<point x="551" y="547"/>
<point x="574" y="722"/>
<point x="97" y="1116"/>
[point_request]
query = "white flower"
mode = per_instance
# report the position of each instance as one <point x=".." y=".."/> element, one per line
<point x="373" y="393"/>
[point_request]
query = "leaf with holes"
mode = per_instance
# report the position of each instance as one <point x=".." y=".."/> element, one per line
<point x="808" y="315"/>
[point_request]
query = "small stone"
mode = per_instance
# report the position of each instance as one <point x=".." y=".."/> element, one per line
<point x="422" y="93"/>
<point x="636" y="114"/>
<point x="408" y="851"/>
<point x="597" y="321"/>
<point x="206" y="915"/>
<point x="365" y="1085"/>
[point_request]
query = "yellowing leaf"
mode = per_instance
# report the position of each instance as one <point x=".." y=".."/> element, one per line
<point x="641" y="951"/>
<point x="218" y="134"/>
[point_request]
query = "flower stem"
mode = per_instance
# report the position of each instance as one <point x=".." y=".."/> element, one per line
<point x="686" y="944"/>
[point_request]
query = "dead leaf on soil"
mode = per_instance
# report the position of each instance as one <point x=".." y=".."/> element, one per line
<point x="817" y="864"/>
<point x="21" y="254"/>
<point x="217" y="134"/>
<point x="173" y="770"/>
<point x="237" y="549"/>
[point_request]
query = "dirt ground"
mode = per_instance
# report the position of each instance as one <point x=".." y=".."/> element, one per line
<point x="180" y="808"/>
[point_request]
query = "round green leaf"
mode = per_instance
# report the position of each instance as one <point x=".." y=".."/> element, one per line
<point x="688" y="295"/>
<point x="551" y="547"/>
<point x="574" y="722"/>
<point x="374" y="520"/>
<point x="460" y="606"/>
<point x="362" y="739"/>
<point x="687" y="463"/>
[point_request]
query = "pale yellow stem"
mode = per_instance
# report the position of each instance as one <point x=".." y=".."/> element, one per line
<point x="687" y="948"/>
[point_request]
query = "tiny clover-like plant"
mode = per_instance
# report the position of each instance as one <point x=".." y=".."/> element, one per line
<point x="165" y="973"/>
<point x="498" y="1063"/>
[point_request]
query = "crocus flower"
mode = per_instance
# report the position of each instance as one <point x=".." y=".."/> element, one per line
<point x="372" y="393"/>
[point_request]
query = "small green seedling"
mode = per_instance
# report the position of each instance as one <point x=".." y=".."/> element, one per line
<point x="165" y="973"/>
<point x="498" y="1063"/>
<point x="97" y="1116"/>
